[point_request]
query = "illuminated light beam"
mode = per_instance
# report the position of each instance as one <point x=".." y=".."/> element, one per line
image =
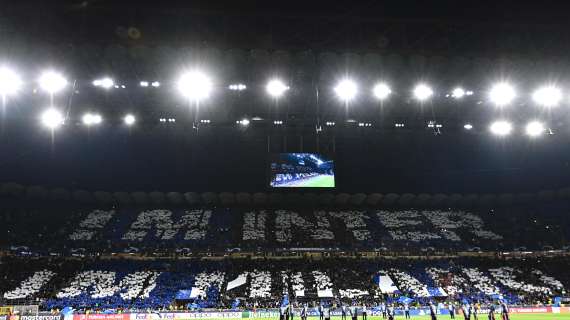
<point x="346" y="90"/>
<point x="422" y="92"/>
<point x="129" y="119"/>
<point x="501" y="128"/>
<point x="381" y="91"/>
<point x="547" y="96"/>
<point x="10" y="82"/>
<point x="535" y="129"/>
<point x="276" y="88"/>
<point x="52" y="118"/>
<point x="502" y="94"/>
<point x="195" y="85"/>
<point x="52" y="82"/>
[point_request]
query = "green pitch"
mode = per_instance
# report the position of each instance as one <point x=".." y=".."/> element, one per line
<point x="322" y="181"/>
<point x="536" y="316"/>
<point x="540" y="316"/>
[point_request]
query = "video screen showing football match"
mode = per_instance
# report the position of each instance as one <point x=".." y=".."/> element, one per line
<point x="301" y="170"/>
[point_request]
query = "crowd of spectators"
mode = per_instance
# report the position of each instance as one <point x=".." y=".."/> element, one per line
<point x="167" y="231"/>
<point x="110" y="283"/>
<point x="69" y="257"/>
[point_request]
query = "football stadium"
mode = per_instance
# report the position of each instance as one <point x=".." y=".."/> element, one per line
<point x="354" y="160"/>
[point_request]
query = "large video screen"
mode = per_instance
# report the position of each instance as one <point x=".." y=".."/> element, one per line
<point x="301" y="170"/>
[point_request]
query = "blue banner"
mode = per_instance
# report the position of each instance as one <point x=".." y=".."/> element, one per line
<point x="405" y="300"/>
<point x="183" y="294"/>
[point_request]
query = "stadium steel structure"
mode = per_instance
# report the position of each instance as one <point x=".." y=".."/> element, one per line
<point x="309" y="46"/>
<point x="311" y="76"/>
<point x="63" y="196"/>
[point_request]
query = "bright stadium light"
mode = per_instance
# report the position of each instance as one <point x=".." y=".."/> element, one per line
<point x="547" y="96"/>
<point x="422" y="92"/>
<point x="243" y="122"/>
<point x="501" y="128"/>
<point x="458" y="93"/>
<point x="91" y="119"/>
<point x="467" y="126"/>
<point x="129" y="119"/>
<point x="52" y="82"/>
<point x="276" y="88"/>
<point x="52" y="118"/>
<point x="10" y="82"/>
<point x="195" y="85"/>
<point x="381" y="91"/>
<point x="237" y="87"/>
<point x="502" y="94"/>
<point x="346" y="90"/>
<point x="535" y="129"/>
<point x="105" y="83"/>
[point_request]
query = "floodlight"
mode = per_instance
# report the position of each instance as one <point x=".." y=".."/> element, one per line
<point x="195" y="85"/>
<point x="381" y="91"/>
<point x="52" y="118"/>
<point x="91" y="119"/>
<point x="547" y="96"/>
<point x="458" y="93"/>
<point x="129" y="119"/>
<point x="276" y="88"/>
<point x="237" y="87"/>
<point x="502" y="94"/>
<point x="346" y="90"/>
<point x="422" y="92"/>
<point x="501" y="128"/>
<point x="52" y="82"/>
<point x="10" y="82"/>
<point x="535" y="129"/>
<point x="105" y="83"/>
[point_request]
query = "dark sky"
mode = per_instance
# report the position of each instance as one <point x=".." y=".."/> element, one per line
<point x="483" y="11"/>
<point x="445" y="12"/>
<point x="433" y="26"/>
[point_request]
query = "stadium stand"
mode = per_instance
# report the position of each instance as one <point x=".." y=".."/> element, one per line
<point x="132" y="258"/>
<point x="219" y="229"/>
<point x="119" y="283"/>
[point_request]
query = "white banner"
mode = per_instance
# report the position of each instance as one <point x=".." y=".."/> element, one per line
<point x="325" y="293"/>
<point x="195" y="292"/>
<point x="386" y="284"/>
<point x="239" y="281"/>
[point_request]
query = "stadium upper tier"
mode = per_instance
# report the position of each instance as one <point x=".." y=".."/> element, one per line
<point x="231" y="229"/>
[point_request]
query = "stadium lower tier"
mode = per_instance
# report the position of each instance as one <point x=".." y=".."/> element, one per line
<point x="135" y="284"/>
